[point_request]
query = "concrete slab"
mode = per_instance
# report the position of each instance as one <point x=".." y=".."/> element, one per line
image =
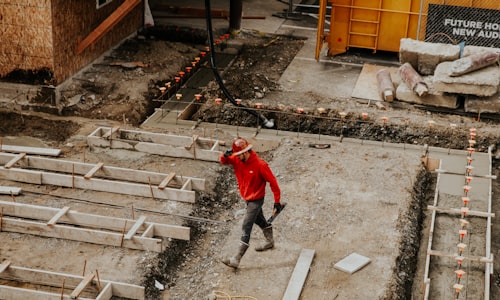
<point x="433" y="98"/>
<point x="366" y="86"/>
<point x="483" y="104"/>
<point x="352" y="263"/>
<point x="425" y="56"/>
<point x="482" y="82"/>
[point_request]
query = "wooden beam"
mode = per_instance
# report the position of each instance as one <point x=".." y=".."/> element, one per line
<point x="54" y="279"/>
<point x="116" y="173"/>
<point x="80" y="234"/>
<point x="4" y="265"/>
<point x="83" y="284"/>
<point x="7" y="190"/>
<point x="166" y="181"/>
<point x="299" y="275"/>
<point x="15" y="160"/>
<point x="457" y="211"/>
<point x="113" y="19"/>
<point x="57" y="216"/>
<point x="31" y="150"/>
<point x="42" y="213"/>
<point x="471" y="258"/>
<point x="135" y="228"/>
<point x="93" y="170"/>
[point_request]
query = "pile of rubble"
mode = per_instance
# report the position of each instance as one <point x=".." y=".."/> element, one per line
<point x="443" y="75"/>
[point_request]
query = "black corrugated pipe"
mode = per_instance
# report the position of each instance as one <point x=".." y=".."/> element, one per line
<point x="208" y="14"/>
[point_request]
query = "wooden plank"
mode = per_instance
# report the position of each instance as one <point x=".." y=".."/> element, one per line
<point x="57" y="216"/>
<point x="4" y="265"/>
<point x="14" y="160"/>
<point x="34" y="212"/>
<point x="299" y="275"/>
<point x="135" y="228"/>
<point x="7" y="190"/>
<point x="471" y="258"/>
<point x="36" y="276"/>
<point x="166" y="181"/>
<point x="80" y="234"/>
<point x="78" y="168"/>
<point x="31" y="150"/>
<point x="93" y="170"/>
<point x="457" y="211"/>
<point x="16" y="293"/>
<point x="83" y="284"/>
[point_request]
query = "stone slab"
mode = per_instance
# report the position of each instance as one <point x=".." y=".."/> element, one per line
<point x="367" y="87"/>
<point x="433" y="98"/>
<point x="352" y="263"/>
<point x="471" y="50"/>
<point x="424" y="56"/>
<point x="483" y="82"/>
<point x="482" y="104"/>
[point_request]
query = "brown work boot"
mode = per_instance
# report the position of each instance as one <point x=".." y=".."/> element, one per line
<point x="268" y="234"/>
<point x="234" y="261"/>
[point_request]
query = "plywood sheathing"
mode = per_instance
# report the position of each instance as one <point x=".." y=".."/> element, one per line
<point x="123" y="181"/>
<point x="58" y="280"/>
<point x="45" y="34"/>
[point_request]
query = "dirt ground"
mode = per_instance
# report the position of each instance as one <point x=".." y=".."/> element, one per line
<point x="341" y="199"/>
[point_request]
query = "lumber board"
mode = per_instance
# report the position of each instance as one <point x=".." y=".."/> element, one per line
<point x="471" y="258"/>
<point x="116" y="173"/>
<point x="82" y="285"/>
<point x="95" y="184"/>
<point x="31" y="150"/>
<point x="106" y="293"/>
<point x="299" y="275"/>
<point x="93" y="170"/>
<point x="58" y="215"/>
<point x="15" y="293"/>
<point x="35" y="212"/>
<point x="181" y="152"/>
<point x="7" y="190"/>
<point x="80" y="234"/>
<point x="135" y="228"/>
<point x="457" y="211"/>
<point x="55" y="279"/>
<point x="166" y="181"/>
<point x="4" y="265"/>
<point x="14" y="160"/>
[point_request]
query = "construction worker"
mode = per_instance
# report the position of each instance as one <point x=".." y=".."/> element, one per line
<point x="252" y="174"/>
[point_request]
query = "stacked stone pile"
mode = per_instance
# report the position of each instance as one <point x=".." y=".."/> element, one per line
<point x="450" y="74"/>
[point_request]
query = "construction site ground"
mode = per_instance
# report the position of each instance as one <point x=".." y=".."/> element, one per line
<point x="363" y="194"/>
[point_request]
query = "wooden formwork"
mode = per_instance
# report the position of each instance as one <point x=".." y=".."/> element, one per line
<point x="193" y="147"/>
<point x="64" y="223"/>
<point x="477" y="256"/>
<point x="112" y="179"/>
<point x="74" y="284"/>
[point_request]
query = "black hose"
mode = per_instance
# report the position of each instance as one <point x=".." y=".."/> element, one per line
<point x="218" y="78"/>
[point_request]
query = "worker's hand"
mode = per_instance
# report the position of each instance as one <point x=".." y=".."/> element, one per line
<point x="277" y="207"/>
<point x="228" y="153"/>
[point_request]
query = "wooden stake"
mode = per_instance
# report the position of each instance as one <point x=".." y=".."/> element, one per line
<point x="73" y="176"/>
<point x="12" y="196"/>
<point x="133" y="217"/>
<point x="98" y="281"/>
<point x="84" y="266"/>
<point x="151" y="188"/>
<point x="123" y="233"/>
<point x="62" y="290"/>
<point x="1" y="219"/>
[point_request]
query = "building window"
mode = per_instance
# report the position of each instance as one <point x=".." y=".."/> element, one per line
<point x="101" y="3"/>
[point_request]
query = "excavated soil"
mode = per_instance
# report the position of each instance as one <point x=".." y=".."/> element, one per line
<point x="111" y="94"/>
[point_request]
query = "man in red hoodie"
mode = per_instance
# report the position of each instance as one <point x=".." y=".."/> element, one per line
<point x="252" y="174"/>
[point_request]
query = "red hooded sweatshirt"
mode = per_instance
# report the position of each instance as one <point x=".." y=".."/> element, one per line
<point x="252" y="176"/>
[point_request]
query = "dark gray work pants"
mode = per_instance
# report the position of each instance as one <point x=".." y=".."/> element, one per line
<point x="253" y="215"/>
